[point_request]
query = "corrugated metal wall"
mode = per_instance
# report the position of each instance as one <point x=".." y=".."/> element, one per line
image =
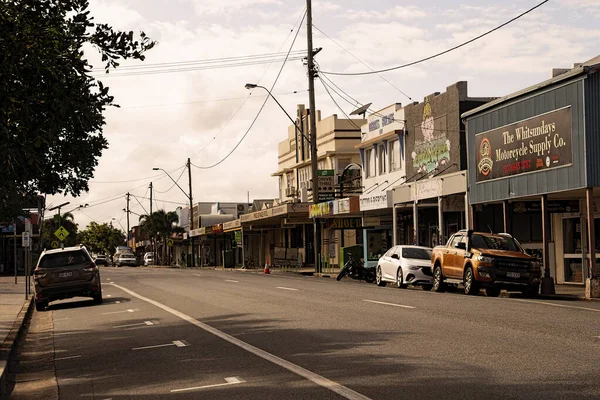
<point x="592" y="127"/>
<point x="531" y="184"/>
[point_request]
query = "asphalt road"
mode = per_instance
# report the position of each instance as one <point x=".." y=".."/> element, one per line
<point x="189" y="334"/>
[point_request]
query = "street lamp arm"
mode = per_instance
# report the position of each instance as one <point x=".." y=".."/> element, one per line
<point x="175" y="182"/>
<point x="295" y="123"/>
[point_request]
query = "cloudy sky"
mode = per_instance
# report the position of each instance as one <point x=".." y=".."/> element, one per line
<point x="166" y="118"/>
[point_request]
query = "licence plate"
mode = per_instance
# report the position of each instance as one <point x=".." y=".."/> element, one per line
<point x="513" y="275"/>
<point x="65" y="274"/>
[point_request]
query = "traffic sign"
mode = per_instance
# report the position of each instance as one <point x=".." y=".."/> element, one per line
<point x="61" y="233"/>
<point x="54" y="244"/>
<point x="25" y="239"/>
<point x="326" y="184"/>
<point x="170" y="242"/>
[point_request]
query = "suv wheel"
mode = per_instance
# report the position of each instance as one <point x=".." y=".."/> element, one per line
<point x="469" y="282"/>
<point x="492" y="292"/>
<point x="41" y="306"/>
<point x="438" y="280"/>
<point x="379" y="277"/>
<point x="400" y="279"/>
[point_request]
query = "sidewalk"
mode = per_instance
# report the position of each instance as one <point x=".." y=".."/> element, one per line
<point x="14" y="312"/>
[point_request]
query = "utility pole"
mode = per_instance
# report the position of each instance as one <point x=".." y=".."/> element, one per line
<point x="128" y="218"/>
<point x="313" y="128"/>
<point x="150" y="198"/>
<point x="193" y="252"/>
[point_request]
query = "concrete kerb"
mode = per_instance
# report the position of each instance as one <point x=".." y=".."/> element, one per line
<point x="10" y="344"/>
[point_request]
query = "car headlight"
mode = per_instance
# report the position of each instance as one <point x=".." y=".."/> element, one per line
<point x="485" y="259"/>
<point x="412" y="268"/>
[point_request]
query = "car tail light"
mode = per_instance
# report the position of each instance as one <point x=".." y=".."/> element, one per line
<point x="38" y="274"/>
<point x="90" y="268"/>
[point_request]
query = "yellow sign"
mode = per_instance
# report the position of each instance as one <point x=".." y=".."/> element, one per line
<point x="170" y="242"/>
<point x="54" y="244"/>
<point x="61" y="233"/>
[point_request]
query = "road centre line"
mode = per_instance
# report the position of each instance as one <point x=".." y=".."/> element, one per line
<point x="196" y="274"/>
<point x="229" y="381"/>
<point x="145" y="323"/>
<point x="296" y="369"/>
<point x="557" y="305"/>
<point x="119" y="312"/>
<point x="389" y="304"/>
<point x="286" y="288"/>
<point x="231" y="280"/>
<point x="67" y="358"/>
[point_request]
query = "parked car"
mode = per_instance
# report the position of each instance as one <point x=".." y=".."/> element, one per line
<point x="148" y="259"/>
<point x="127" y="259"/>
<point x="65" y="273"/>
<point x="405" y="265"/>
<point x="485" y="260"/>
<point x="101" y="259"/>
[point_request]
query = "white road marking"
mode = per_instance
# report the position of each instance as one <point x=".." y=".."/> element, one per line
<point x="230" y="381"/>
<point x="286" y="288"/>
<point x="148" y="323"/>
<point x="60" y="319"/>
<point x="63" y="333"/>
<point x="109" y="295"/>
<point x="557" y="305"/>
<point x="66" y="358"/>
<point x="296" y="369"/>
<point x="117" y="302"/>
<point x="177" y="343"/>
<point x="196" y="274"/>
<point x="231" y="280"/>
<point x="388" y="304"/>
<point x="118" y="312"/>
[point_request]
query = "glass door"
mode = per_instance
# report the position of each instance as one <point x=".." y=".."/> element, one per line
<point x="573" y="238"/>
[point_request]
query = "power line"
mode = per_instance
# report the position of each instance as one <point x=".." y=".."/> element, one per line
<point x="360" y="61"/>
<point x="261" y="108"/>
<point x="138" y="179"/>
<point x="165" y="201"/>
<point x="336" y="103"/>
<point x="172" y="186"/>
<point x="440" y="53"/>
<point x="204" y="61"/>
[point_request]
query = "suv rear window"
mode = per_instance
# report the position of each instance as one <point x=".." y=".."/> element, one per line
<point x="63" y="259"/>
<point x="416" y="254"/>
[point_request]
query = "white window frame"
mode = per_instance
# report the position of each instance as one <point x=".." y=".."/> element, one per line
<point x="381" y="160"/>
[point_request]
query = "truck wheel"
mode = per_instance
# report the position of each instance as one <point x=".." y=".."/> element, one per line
<point x="40" y="306"/>
<point x="469" y="282"/>
<point x="492" y="292"/>
<point x="531" y="291"/>
<point x="438" y="280"/>
<point x="379" y="277"/>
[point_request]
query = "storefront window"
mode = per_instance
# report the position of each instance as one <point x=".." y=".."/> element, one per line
<point x="368" y="164"/>
<point x="378" y="242"/>
<point x="382" y="160"/>
<point x="572" y="242"/>
<point x="394" y="149"/>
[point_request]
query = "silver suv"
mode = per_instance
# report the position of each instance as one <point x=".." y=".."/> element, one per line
<point x="66" y="273"/>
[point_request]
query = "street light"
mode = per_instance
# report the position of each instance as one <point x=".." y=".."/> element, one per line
<point x="58" y="207"/>
<point x="114" y="219"/>
<point x="189" y="196"/>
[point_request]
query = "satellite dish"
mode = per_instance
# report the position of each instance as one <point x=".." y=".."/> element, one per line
<point x="362" y="110"/>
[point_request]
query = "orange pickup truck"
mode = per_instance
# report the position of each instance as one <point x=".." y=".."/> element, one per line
<point x="479" y="260"/>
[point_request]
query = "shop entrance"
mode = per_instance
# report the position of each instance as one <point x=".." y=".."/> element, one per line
<point x="576" y="254"/>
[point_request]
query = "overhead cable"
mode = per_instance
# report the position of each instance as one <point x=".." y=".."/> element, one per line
<point x="440" y="53"/>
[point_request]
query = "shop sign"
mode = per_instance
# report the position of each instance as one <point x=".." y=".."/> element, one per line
<point x="232" y="225"/>
<point x="237" y="236"/>
<point x="257" y="215"/>
<point x="345" y="223"/>
<point x="217" y="228"/>
<point x="322" y="209"/>
<point x="432" y="146"/>
<point x="326" y="184"/>
<point x="382" y="123"/>
<point x="348" y="205"/>
<point x="554" y="206"/>
<point x="428" y="189"/>
<point x="535" y="144"/>
<point x="298" y="207"/>
<point x="376" y="201"/>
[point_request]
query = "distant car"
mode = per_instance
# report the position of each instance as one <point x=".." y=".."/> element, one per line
<point x="127" y="259"/>
<point x="148" y="259"/>
<point x="406" y="265"/>
<point x="101" y="260"/>
<point x="65" y="273"/>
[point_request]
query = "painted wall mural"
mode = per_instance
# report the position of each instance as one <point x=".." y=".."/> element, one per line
<point x="432" y="146"/>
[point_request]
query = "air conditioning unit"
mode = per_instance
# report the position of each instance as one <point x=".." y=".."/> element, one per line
<point x="241" y="207"/>
<point x="290" y="192"/>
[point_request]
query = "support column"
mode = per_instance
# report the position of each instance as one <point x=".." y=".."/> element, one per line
<point x="506" y="216"/>
<point x="592" y="282"/>
<point x="395" y="225"/>
<point x="547" y="280"/>
<point x="468" y="214"/>
<point x="440" y="221"/>
<point x="243" y="249"/>
<point x="416" y="223"/>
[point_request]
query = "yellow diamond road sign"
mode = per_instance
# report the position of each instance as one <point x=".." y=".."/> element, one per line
<point x="54" y="244"/>
<point x="61" y="233"/>
<point x="170" y="242"/>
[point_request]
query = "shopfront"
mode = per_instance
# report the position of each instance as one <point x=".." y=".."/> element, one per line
<point x="536" y="153"/>
<point x="376" y="209"/>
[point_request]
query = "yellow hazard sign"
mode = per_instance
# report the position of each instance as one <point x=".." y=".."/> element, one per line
<point x="61" y="233"/>
<point x="170" y="242"/>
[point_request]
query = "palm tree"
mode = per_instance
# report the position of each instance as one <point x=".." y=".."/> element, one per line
<point x="159" y="226"/>
<point x="66" y="220"/>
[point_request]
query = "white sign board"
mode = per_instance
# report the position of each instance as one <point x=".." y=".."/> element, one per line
<point x="376" y="201"/>
<point x="428" y="189"/>
<point x="25" y="239"/>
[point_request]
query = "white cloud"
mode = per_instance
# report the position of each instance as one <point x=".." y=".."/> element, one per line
<point x="396" y="13"/>
<point x="224" y="7"/>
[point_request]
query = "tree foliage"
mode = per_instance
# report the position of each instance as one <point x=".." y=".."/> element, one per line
<point x="101" y="238"/>
<point x="51" y="108"/>
<point x="66" y="220"/>
<point x="160" y="224"/>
